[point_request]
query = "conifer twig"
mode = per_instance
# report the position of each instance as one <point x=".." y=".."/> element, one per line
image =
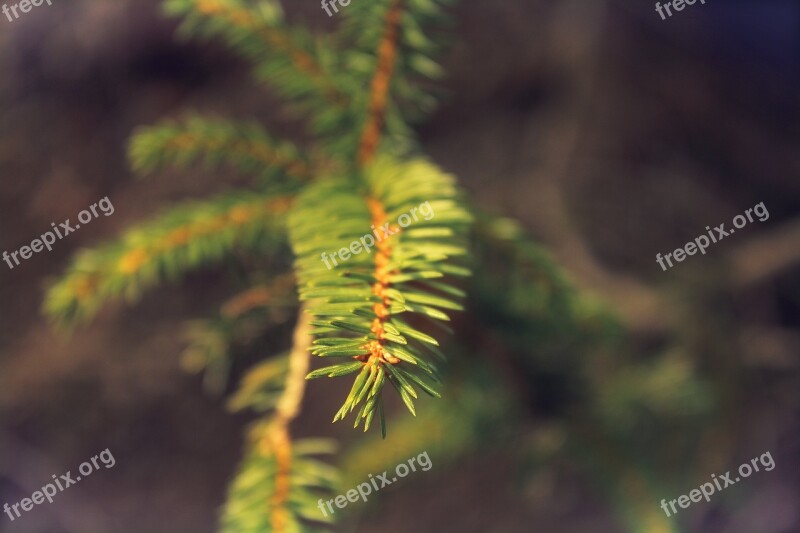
<point x="304" y="61"/>
<point x="185" y="142"/>
<point x="176" y="242"/>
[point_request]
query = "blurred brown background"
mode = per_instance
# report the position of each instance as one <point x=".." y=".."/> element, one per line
<point x="611" y="134"/>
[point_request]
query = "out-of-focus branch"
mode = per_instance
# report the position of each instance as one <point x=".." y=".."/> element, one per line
<point x="578" y="34"/>
<point x="766" y="256"/>
<point x="299" y="360"/>
<point x="258" y="296"/>
<point x="276" y="438"/>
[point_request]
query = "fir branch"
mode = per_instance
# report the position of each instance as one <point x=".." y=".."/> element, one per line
<point x="244" y="145"/>
<point x="186" y="237"/>
<point x="358" y="311"/>
<point x="357" y="305"/>
<point x="283" y="55"/>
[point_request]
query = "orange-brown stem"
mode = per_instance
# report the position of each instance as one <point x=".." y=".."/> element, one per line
<point x="381" y="82"/>
<point x="376" y="352"/>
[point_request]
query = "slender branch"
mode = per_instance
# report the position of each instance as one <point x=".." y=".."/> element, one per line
<point x="381" y="81"/>
<point x="276" y="438"/>
<point x="289" y="404"/>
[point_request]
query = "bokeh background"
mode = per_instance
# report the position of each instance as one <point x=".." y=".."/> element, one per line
<point x="611" y="135"/>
